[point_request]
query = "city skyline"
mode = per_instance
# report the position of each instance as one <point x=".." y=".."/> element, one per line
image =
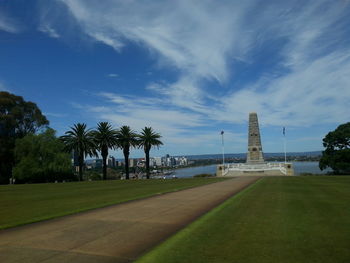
<point x="189" y="69"/>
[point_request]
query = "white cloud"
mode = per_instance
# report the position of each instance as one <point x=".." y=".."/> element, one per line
<point x="196" y="42"/>
<point x="101" y="37"/>
<point x="306" y="47"/>
<point x="312" y="94"/>
<point x="200" y="38"/>
<point x="56" y="115"/>
<point x="47" y="29"/>
<point x="113" y="75"/>
<point x="179" y="128"/>
<point x="8" y="24"/>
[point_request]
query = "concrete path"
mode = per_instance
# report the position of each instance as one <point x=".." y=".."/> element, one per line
<point x="119" y="233"/>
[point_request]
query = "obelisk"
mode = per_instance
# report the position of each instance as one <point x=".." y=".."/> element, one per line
<point x="255" y="154"/>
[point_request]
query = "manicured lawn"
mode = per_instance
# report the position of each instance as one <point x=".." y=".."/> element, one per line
<point x="21" y="204"/>
<point x="290" y="219"/>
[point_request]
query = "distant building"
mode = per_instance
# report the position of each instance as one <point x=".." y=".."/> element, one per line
<point x="111" y="162"/>
<point x="93" y="164"/>
<point x="152" y="162"/>
<point x="182" y="161"/>
<point x="132" y="162"/>
<point x="157" y="161"/>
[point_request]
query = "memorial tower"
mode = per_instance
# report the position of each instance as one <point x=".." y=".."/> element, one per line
<point x="255" y="153"/>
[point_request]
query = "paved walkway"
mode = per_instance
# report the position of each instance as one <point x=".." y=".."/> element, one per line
<point x="119" y="233"/>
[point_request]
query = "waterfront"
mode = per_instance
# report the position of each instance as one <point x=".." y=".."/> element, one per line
<point x="299" y="167"/>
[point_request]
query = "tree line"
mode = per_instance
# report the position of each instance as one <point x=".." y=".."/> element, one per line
<point x="31" y="152"/>
<point x="337" y="150"/>
<point x="86" y="142"/>
<point x="18" y="118"/>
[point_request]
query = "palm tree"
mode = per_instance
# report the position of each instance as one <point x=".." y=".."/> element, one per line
<point x="105" y="137"/>
<point x="126" y="138"/>
<point x="80" y="140"/>
<point x="148" y="139"/>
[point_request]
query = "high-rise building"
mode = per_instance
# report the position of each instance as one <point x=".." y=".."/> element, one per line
<point x="111" y="162"/>
<point x="132" y="162"/>
<point x="158" y="161"/>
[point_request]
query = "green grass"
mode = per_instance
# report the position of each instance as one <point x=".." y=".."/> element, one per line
<point x="282" y="220"/>
<point x="22" y="204"/>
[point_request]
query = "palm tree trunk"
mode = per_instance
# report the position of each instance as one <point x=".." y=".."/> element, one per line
<point x="126" y="160"/>
<point x="147" y="163"/>
<point x="104" y="153"/>
<point x="104" y="167"/>
<point x="81" y="165"/>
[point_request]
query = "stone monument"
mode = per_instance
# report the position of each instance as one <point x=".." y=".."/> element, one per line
<point x="255" y="164"/>
<point x="255" y="154"/>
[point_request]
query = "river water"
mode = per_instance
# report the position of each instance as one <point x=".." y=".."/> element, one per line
<point x="299" y="167"/>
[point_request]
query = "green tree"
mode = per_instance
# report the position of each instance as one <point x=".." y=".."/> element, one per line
<point x="148" y="139"/>
<point x="105" y="138"/>
<point x="17" y="119"/>
<point x="81" y="141"/>
<point x="127" y="138"/>
<point x="337" y="152"/>
<point x="41" y="158"/>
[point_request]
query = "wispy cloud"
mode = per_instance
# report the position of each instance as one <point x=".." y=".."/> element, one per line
<point x="113" y="75"/>
<point x="47" y="29"/>
<point x="8" y="24"/>
<point x="296" y="53"/>
<point x="202" y="44"/>
<point x="56" y="115"/>
<point x="313" y="94"/>
<point x="182" y="130"/>
<point x="197" y="42"/>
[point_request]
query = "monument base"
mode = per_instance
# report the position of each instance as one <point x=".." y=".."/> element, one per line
<point x="262" y="169"/>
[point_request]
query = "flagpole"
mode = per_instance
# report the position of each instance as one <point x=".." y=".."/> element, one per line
<point x="223" y="149"/>
<point x="285" y="145"/>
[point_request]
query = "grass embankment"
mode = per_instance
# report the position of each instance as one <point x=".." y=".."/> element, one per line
<point x="291" y="219"/>
<point x="22" y="204"/>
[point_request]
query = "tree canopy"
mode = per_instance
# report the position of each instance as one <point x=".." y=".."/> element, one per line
<point x="337" y="152"/>
<point x="148" y="139"/>
<point x="80" y="140"/>
<point x="105" y="137"/>
<point x="17" y="119"/>
<point x="127" y="139"/>
<point x="41" y="158"/>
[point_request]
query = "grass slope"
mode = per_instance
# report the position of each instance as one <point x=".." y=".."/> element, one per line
<point x="290" y="219"/>
<point x="22" y="204"/>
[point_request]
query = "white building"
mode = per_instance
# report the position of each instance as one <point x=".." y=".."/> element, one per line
<point x="132" y="162"/>
<point x="157" y="161"/>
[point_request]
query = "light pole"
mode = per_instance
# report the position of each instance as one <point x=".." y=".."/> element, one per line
<point x="285" y="145"/>
<point x="223" y="149"/>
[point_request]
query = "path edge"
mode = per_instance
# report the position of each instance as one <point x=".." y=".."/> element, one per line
<point x="220" y="204"/>
<point x="72" y="214"/>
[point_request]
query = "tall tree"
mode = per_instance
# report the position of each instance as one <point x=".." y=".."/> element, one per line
<point x="148" y="139"/>
<point x="337" y="152"/>
<point x="41" y="158"/>
<point x="105" y="138"/>
<point x="17" y="119"/>
<point x="127" y="138"/>
<point x="81" y="141"/>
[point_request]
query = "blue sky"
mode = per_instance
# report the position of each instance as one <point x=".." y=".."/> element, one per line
<point x="187" y="68"/>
